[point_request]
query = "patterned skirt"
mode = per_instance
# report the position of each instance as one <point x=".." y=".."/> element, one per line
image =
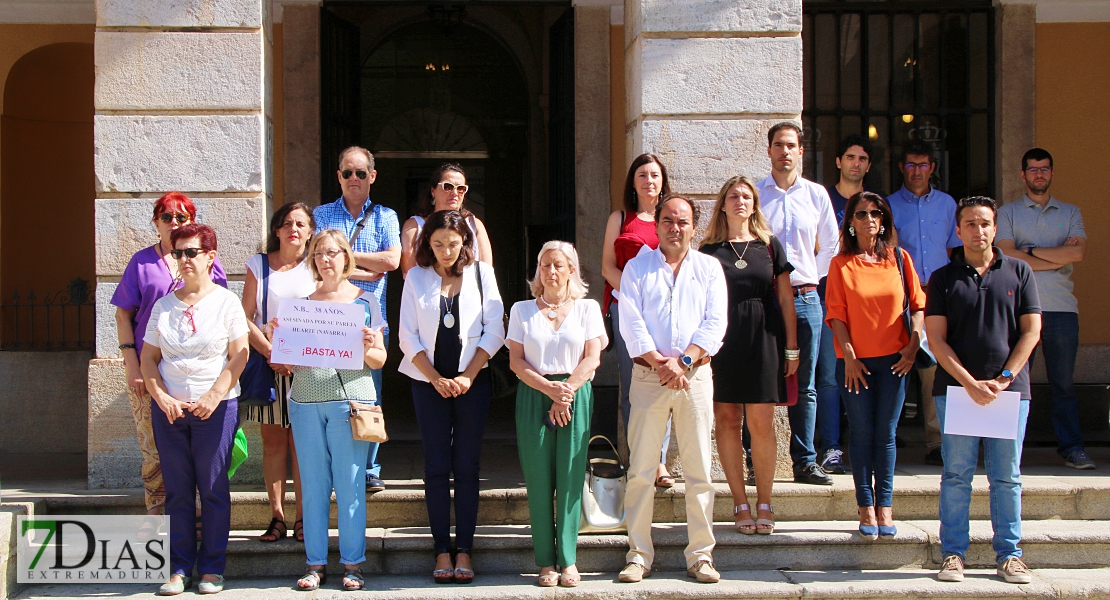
<point x="276" y="413"/>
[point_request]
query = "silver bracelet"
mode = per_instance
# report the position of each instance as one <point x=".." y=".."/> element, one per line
<point x="792" y="354"/>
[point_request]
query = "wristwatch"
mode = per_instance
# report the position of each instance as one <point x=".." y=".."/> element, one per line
<point x="687" y="361"/>
<point x="1029" y="250"/>
<point x="1008" y="375"/>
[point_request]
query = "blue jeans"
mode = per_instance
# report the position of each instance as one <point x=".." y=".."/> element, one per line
<point x="873" y="416"/>
<point x="451" y="431"/>
<point x="828" y="394"/>
<point x="372" y="467"/>
<point x="1060" y="342"/>
<point x="624" y="364"/>
<point x="1002" y="459"/>
<point x="329" y="458"/>
<point x="803" y="415"/>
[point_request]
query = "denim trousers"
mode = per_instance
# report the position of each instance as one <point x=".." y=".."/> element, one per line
<point x="624" y="364"/>
<point x="1060" y="343"/>
<point x="1002" y="459"/>
<point x="330" y="458"/>
<point x="196" y="455"/>
<point x="828" y="393"/>
<point x="873" y="416"/>
<point x="803" y="415"/>
<point x="451" y="431"/>
<point x="372" y="466"/>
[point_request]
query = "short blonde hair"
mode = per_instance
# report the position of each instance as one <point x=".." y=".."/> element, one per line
<point x="341" y="241"/>
<point x="575" y="285"/>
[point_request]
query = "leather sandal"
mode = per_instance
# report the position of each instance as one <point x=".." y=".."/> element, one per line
<point x="314" y="578"/>
<point x="765" y="526"/>
<point x="549" y="579"/>
<point x="277" y="530"/>
<point x="352" y="579"/>
<point x="664" y="481"/>
<point x="443" y="576"/>
<point x="569" y="580"/>
<point x="298" y="530"/>
<point x="744" y="526"/>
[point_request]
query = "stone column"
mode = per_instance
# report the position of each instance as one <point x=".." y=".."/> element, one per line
<point x="705" y="80"/>
<point x="182" y="103"/>
<point x="1015" y="94"/>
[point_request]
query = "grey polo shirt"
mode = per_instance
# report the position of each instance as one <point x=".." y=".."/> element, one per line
<point x="1027" y="224"/>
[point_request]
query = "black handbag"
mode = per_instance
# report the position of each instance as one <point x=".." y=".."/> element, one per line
<point x="501" y="376"/>
<point x="923" y="360"/>
<point x="256" y="383"/>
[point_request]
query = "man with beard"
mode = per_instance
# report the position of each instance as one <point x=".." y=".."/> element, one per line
<point x="1048" y="234"/>
<point x="925" y="218"/>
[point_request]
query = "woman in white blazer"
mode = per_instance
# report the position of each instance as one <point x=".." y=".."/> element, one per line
<point x="451" y="324"/>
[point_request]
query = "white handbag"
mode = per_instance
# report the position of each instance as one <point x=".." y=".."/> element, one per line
<point x="603" y="494"/>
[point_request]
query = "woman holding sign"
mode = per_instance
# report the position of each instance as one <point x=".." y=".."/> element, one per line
<point x="555" y="344"/>
<point x="194" y="349"/>
<point x="329" y="456"/>
<point x="451" y="324"/>
<point x="866" y="297"/>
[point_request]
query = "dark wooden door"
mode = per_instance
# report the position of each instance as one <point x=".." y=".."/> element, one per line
<point x="561" y="204"/>
<point x="340" y="77"/>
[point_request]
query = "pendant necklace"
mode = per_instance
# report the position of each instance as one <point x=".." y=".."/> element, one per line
<point x="553" y="308"/>
<point x="448" y="319"/>
<point x="740" y="262"/>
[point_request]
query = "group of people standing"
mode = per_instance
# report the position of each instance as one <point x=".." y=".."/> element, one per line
<point x="787" y="275"/>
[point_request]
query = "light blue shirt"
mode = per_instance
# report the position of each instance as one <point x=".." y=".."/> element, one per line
<point x="926" y="228"/>
<point x="380" y="233"/>
<point x="1027" y="224"/>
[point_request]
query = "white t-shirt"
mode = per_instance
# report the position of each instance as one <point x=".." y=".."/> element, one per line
<point x="194" y="341"/>
<point x="552" y="352"/>
<point x="294" y="283"/>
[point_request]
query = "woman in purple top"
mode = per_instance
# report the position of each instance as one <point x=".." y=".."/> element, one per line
<point x="149" y="276"/>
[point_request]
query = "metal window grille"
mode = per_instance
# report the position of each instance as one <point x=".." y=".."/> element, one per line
<point x="61" y="321"/>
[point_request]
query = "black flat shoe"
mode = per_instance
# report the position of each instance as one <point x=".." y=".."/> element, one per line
<point x="813" y="475"/>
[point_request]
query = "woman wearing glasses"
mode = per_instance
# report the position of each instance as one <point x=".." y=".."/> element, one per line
<point x="195" y="349"/>
<point x="447" y="191"/>
<point x="451" y="324"/>
<point x="329" y="456"/>
<point x="866" y="297"/>
<point x="151" y="274"/>
<point x="284" y="268"/>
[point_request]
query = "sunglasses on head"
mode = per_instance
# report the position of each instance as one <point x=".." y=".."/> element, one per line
<point x="359" y="173"/>
<point x="190" y="252"/>
<point x="447" y="186"/>
<point x="875" y="214"/>
<point x="182" y="218"/>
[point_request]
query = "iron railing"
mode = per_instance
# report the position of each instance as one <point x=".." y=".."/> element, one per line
<point x="64" y="320"/>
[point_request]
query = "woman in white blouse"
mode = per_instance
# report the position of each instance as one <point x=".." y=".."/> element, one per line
<point x="446" y="191"/>
<point x="286" y="272"/>
<point x="555" y="344"/>
<point x="194" y="349"/>
<point x="451" y="324"/>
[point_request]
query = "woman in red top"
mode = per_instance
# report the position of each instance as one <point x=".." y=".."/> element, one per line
<point x="626" y="233"/>
<point x="865" y="296"/>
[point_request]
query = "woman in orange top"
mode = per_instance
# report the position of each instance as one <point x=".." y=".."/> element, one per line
<point x="874" y="351"/>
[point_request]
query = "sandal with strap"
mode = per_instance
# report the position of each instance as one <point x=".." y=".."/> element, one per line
<point x="200" y="529"/>
<point x="569" y="579"/>
<point x="298" y="530"/>
<point x="314" y="578"/>
<point x="549" y="579"/>
<point x="744" y="526"/>
<point x="765" y="526"/>
<point x="276" y="531"/>
<point x="352" y="579"/>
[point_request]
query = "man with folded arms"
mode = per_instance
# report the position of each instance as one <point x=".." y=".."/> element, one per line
<point x="983" y="318"/>
<point x="673" y="314"/>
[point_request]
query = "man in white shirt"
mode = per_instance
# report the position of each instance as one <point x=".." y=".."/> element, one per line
<point x="673" y="314"/>
<point x="800" y="214"/>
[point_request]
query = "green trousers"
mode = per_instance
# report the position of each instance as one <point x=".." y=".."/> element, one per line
<point x="554" y="464"/>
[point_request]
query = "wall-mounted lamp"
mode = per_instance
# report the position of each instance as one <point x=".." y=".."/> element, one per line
<point x="873" y="132"/>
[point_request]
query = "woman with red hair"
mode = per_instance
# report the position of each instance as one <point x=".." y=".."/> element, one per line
<point x="150" y="275"/>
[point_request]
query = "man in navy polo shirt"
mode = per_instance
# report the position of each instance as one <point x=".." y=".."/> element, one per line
<point x="983" y="318"/>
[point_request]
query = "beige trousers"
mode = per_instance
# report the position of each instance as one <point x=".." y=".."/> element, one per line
<point x="652" y="404"/>
<point x="929" y="407"/>
<point x="153" y="488"/>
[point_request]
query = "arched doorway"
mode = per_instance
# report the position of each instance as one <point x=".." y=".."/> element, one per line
<point x="46" y="196"/>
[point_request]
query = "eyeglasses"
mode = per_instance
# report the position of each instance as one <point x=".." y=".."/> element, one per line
<point x="448" y="187"/>
<point x="359" y="173"/>
<point x="190" y="252"/>
<point x="182" y="218"/>
<point x="916" y="166"/>
<point x="875" y="214"/>
<point x="1038" y="170"/>
<point x="328" y="253"/>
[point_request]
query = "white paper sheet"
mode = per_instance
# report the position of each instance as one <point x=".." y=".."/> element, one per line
<point x="319" y="334"/>
<point x="999" y="419"/>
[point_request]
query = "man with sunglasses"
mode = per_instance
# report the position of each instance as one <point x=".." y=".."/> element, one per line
<point x="375" y="236"/>
<point x="925" y="218"/>
<point x="1049" y="235"/>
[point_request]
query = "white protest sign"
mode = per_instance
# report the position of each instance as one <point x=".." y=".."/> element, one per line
<point x="319" y="334"/>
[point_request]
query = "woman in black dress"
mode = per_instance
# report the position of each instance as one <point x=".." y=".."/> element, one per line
<point x="760" y="345"/>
